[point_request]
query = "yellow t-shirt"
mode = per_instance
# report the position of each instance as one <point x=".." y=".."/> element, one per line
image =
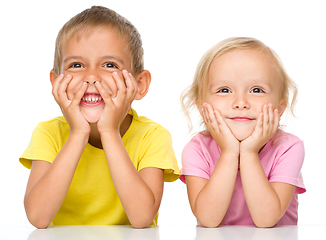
<point x="92" y="198"/>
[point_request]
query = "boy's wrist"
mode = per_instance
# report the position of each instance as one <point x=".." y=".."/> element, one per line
<point x="79" y="136"/>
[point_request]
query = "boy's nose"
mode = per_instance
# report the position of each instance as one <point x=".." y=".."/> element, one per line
<point x="92" y="76"/>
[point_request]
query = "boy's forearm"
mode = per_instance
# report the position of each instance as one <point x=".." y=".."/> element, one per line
<point x="46" y="195"/>
<point x="262" y="200"/>
<point x="214" y="199"/>
<point x="137" y="198"/>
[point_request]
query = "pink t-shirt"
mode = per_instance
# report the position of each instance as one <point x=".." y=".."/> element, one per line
<point x="281" y="160"/>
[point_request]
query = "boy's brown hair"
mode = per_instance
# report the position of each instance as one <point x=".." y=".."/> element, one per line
<point x="93" y="18"/>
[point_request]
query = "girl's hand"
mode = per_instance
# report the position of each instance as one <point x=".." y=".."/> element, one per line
<point x="266" y="126"/>
<point x="70" y="108"/>
<point x="219" y="130"/>
<point x="116" y="108"/>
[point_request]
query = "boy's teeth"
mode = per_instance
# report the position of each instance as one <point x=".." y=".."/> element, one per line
<point x="92" y="99"/>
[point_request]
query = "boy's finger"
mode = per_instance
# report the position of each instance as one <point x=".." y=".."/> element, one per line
<point x="80" y="93"/>
<point x="132" y="86"/>
<point x="56" y="85"/>
<point x="122" y="89"/>
<point x="104" y="94"/>
<point x="62" y="91"/>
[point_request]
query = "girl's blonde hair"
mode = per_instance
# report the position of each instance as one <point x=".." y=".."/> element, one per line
<point x="96" y="17"/>
<point x="195" y="93"/>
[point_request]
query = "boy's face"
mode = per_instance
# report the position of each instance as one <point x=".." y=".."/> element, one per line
<point x="93" y="58"/>
<point x="241" y="82"/>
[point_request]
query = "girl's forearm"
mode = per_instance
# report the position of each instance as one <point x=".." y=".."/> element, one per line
<point x="49" y="183"/>
<point x="140" y="202"/>
<point x="262" y="200"/>
<point x="213" y="200"/>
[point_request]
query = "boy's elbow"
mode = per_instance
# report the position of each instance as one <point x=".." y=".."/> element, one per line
<point x="38" y="221"/>
<point x="142" y="221"/>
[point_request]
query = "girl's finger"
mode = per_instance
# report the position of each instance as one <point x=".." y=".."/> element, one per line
<point x="265" y="118"/>
<point x="276" y="120"/>
<point x="271" y="115"/>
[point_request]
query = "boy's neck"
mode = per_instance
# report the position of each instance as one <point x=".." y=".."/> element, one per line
<point x="95" y="137"/>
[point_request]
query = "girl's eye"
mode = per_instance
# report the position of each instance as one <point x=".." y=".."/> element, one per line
<point x="110" y="65"/>
<point x="256" y="90"/>
<point x="76" y="65"/>
<point x="224" y="90"/>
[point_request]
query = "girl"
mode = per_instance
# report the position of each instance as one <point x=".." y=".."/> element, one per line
<point x="242" y="170"/>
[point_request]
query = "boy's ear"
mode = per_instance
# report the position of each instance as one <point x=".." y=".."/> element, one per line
<point x="53" y="76"/>
<point x="143" y="80"/>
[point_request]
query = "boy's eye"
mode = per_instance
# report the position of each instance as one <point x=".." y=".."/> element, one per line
<point x="256" y="90"/>
<point x="76" y="65"/>
<point x="110" y="65"/>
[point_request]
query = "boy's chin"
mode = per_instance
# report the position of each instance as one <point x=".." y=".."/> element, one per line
<point x="92" y="117"/>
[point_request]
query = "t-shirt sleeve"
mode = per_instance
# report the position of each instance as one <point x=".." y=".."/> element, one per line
<point x="41" y="147"/>
<point x="195" y="161"/>
<point x="157" y="151"/>
<point x="287" y="168"/>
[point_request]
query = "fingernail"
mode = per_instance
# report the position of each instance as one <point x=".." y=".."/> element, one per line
<point x="97" y="83"/>
<point x="84" y="83"/>
<point x="68" y="76"/>
<point x="61" y="75"/>
<point x="115" y="73"/>
<point x="125" y="71"/>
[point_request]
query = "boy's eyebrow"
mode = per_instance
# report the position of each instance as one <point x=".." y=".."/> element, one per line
<point x="103" y="58"/>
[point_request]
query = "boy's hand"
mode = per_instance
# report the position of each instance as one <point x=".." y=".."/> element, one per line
<point x="116" y="108"/>
<point x="219" y="130"/>
<point x="266" y="126"/>
<point x="70" y="108"/>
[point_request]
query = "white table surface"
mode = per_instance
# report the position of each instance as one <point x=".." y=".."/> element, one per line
<point x="180" y="232"/>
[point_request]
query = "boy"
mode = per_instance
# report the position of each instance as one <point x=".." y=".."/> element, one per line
<point x="100" y="163"/>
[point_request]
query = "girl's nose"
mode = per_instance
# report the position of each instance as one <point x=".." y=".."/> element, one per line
<point x="241" y="103"/>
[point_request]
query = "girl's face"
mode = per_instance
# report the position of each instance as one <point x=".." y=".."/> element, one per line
<point x="241" y="82"/>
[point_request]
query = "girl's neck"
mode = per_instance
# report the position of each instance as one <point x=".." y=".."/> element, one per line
<point x="95" y="137"/>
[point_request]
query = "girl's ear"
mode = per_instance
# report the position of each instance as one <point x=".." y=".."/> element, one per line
<point x="281" y="108"/>
<point x="143" y="80"/>
<point x="53" y="76"/>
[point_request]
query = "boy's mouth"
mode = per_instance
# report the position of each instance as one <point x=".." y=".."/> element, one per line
<point x="92" y="98"/>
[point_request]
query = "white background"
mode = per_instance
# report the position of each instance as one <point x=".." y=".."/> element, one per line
<point x="175" y="35"/>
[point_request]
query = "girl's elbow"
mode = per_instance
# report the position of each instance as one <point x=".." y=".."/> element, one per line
<point x="265" y="223"/>
<point x="210" y="223"/>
